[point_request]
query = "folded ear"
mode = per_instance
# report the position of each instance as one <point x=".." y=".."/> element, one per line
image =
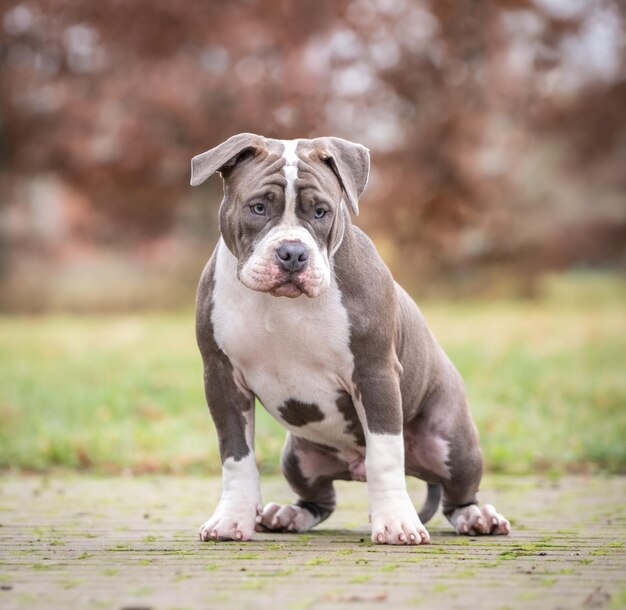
<point x="351" y="164"/>
<point x="224" y="156"/>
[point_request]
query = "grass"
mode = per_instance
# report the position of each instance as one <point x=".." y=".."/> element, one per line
<point x="545" y="380"/>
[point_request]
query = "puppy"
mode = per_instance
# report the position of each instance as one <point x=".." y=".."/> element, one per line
<point x="296" y="308"/>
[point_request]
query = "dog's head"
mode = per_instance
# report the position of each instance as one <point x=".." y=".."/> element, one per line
<point x="283" y="214"/>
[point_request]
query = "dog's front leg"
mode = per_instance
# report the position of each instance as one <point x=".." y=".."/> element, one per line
<point x="232" y="409"/>
<point x="392" y="513"/>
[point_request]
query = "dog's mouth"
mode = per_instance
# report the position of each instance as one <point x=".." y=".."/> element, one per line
<point x="278" y="283"/>
<point x="290" y="289"/>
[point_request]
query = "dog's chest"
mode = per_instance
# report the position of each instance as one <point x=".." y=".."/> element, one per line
<point x="292" y="353"/>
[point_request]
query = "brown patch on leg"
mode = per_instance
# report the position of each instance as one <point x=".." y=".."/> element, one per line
<point x="353" y="425"/>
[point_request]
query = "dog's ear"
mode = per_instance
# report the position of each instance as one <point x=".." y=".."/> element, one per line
<point x="351" y="164"/>
<point x="225" y="156"/>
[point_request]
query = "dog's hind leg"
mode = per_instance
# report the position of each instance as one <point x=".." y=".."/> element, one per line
<point x="442" y="447"/>
<point x="310" y="470"/>
<point x="465" y="462"/>
<point x="460" y="504"/>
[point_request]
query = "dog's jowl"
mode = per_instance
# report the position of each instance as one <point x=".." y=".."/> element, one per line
<point x="296" y="308"/>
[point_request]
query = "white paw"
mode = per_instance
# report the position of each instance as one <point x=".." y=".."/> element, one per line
<point x="398" y="524"/>
<point x="286" y="517"/>
<point x="231" y="523"/>
<point x="473" y="520"/>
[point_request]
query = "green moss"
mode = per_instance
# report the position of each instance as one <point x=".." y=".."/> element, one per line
<point x="511" y="555"/>
<point x="416" y="600"/>
<point x="526" y="550"/>
<point x="285" y="572"/>
<point x="110" y="572"/>
<point x="245" y="556"/>
<point x="360" y="578"/>
<point x="464" y="574"/>
<point x="413" y="560"/>
<point x="71" y="583"/>
<point x="252" y="584"/>
<point x="317" y="561"/>
<point x="605" y="550"/>
<point x="526" y="596"/>
<point x="120" y="547"/>
<point x="429" y="549"/>
<point x="85" y="556"/>
<point x="459" y="541"/>
<point x="486" y="564"/>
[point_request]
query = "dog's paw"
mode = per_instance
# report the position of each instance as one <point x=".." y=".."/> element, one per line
<point x="231" y="523"/>
<point x="398" y="525"/>
<point x="285" y="518"/>
<point x="473" y="521"/>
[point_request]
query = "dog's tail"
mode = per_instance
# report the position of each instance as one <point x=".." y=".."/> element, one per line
<point x="433" y="498"/>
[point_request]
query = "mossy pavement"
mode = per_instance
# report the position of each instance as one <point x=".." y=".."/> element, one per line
<point x="79" y="541"/>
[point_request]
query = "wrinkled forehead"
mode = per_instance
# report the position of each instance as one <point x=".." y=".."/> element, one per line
<point x="287" y="162"/>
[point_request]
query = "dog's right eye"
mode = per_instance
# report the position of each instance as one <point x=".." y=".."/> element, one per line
<point x="258" y="208"/>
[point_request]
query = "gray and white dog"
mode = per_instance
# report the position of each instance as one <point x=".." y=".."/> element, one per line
<point x="297" y="309"/>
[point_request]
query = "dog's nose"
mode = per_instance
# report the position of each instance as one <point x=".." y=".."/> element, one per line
<point x="292" y="256"/>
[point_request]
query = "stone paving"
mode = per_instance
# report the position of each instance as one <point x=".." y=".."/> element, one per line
<point x="130" y="543"/>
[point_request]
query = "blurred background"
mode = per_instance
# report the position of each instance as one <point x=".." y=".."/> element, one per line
<point x="497" y="197"/>
<point x="497" y="132"/>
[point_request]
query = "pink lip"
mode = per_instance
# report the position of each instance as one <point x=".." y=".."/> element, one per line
<point x="288" y="289"/>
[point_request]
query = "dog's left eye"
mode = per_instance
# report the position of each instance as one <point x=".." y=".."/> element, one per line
<point x="258" y="208"/>
<point x="320" y="212"/>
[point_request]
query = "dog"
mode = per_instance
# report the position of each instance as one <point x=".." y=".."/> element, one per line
<point x="296" y="308"/>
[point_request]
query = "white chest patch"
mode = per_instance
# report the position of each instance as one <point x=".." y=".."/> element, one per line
<point x="287" y="351"/>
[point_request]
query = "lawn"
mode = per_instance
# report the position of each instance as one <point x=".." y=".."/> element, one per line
<point x="546" y="380"/>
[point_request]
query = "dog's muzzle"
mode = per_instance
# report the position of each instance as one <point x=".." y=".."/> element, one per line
<point x="286" y="266"/>
<point x="292" y="258"/>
